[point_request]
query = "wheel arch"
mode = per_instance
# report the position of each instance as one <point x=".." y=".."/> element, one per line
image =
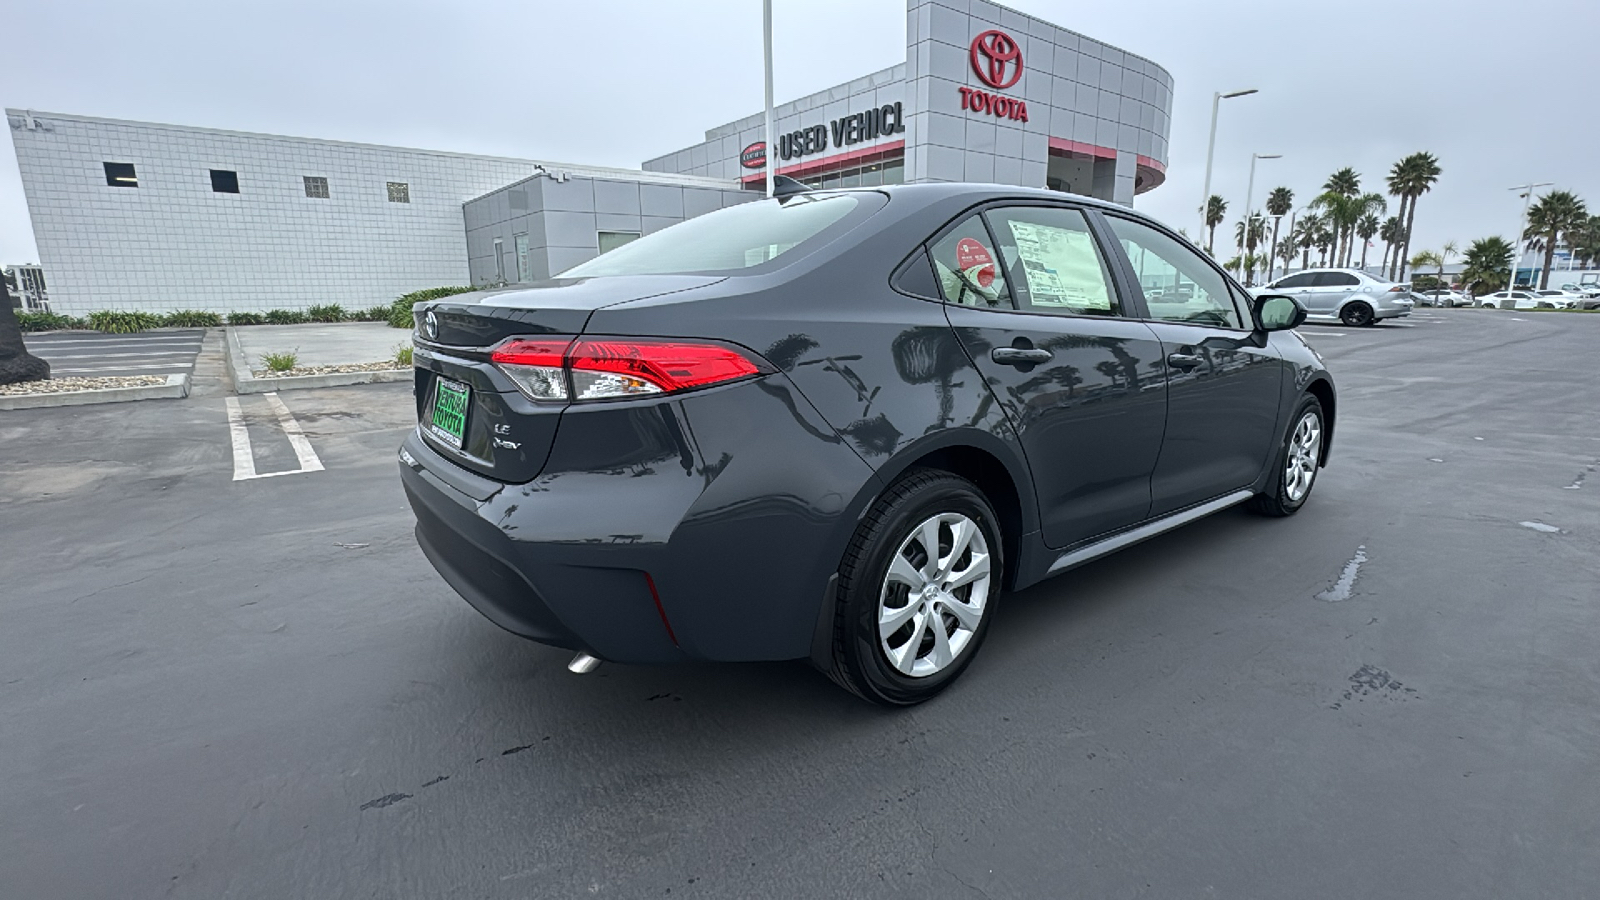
<point x="1322" y="389"/>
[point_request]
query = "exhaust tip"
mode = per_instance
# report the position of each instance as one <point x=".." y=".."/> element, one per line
<point x="583" y="664"/>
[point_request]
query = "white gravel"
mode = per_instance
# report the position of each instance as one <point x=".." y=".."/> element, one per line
<point x="385" y="366"/>
<point x="68" y="385"/>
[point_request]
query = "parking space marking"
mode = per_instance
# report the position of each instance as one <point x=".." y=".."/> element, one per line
<point x="244" y="461"/>
<point x="297" y="436"/>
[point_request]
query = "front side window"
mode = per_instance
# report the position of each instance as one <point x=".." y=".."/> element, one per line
<point x="1295" y="281"/>
<point x="968" y="268"/>
<point x="1336" y="279"/>
<point x="1052" y="262"/>
<point x="1178" y="285"/>
<point x="730" y="239"/>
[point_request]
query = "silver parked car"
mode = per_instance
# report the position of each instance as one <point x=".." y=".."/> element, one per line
<point x="1346" y="295"/>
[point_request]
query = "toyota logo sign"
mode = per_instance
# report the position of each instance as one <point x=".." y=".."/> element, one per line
<point x="997" y="59"/>
<point x="430" y="326"/>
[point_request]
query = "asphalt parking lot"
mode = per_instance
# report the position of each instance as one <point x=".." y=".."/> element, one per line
<point x="89" y="354"/>
<point x="215" y="686"/>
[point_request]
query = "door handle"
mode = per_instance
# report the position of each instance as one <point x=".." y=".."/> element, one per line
<point x="1020" y="356"/>
<point x="1184" y="361"/>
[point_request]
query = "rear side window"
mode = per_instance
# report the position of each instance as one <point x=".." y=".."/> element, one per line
<point x="1052" y="262"/>
<point x="1336" y="279"/>
<point x="730" y="239"/>
<point x="968" y="268"/>
<point x="1295" y="281"/>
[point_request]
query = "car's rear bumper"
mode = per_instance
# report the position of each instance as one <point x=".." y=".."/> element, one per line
<point x="700" y="527"/>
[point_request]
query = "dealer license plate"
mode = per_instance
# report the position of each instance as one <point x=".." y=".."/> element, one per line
<point x="449" y="421"/>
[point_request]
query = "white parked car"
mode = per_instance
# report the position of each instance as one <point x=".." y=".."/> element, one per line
<point x="1563" y="299"/>
<point x="1345" y="295"/>
<point x="1519" y="300"/>
<point x="1441" y="297"/>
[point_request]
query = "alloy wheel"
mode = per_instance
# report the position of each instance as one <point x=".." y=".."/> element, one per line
<point x="1305" y="446"/>
<point x="934" y="595"/>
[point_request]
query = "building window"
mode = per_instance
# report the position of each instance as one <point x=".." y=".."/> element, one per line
<point x="316" y="186"/>
<point x="399" y="192"/>
<point x="520" y="241"/>
<point x="224" y="182"/>
<point x="499" y="261"/>
<point x="121" y="175"/>
<point x="611" y="240"/>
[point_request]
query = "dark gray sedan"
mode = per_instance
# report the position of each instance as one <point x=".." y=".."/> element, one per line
<point x="839" y="425"/>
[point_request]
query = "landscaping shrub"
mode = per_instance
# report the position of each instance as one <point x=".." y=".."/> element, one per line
<point x="402" y="356"/>
<point x="375" y="314"/>
<point x="118" y="322"/>
<point x="400" y="312"/>
<point x="191" y="318"/>
<point x="332" y="312"/>
<point x="246" y="318"/>
<point x="45" y="321"/>
<point x="285" y="317"/>
<point x="280" y="362"/>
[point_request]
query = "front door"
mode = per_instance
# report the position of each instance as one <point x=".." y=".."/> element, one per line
<point x="1223" y="382"/>
<point x="1029" y="297"/>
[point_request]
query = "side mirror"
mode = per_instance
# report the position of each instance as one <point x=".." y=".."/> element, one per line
<point x="1278" y="312"/>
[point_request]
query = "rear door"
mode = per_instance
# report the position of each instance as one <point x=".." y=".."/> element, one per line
<point x="1329" y="292"/>
<point x="1222" y="385"/>
<point x="1029" y="295"/>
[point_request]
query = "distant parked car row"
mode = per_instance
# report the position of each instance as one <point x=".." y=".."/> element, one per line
<point x="1344" y="295"/>
<point x="1550" y="298"/>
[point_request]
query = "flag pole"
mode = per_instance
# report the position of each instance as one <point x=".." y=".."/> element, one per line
<point x="766" y="55"/>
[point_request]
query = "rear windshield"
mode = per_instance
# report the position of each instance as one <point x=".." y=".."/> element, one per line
<point x="737" y="237"/>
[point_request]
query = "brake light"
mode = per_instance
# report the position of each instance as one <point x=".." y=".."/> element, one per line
<point x="613" y="368"/>
<point x="1399" y="288"/>
<point x="623" y="368"/>
<point x="536" y="366"/>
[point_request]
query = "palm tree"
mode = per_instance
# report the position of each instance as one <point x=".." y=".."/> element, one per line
<point x="1556" y="213"/>
<point x="1250" y="238"/>
<point x="1327" y="240"/>
<point x="1366" y="227"/>
<point x="1585" y="242"/>
<point x="1488" y="264"/>
<point x="1279" y="202"/>
<point x="1304" y="236"/>
<point x="1411" y="178"/>
<point x="1286" y="252"/>
<point x="1390" y="233"/>
<point x="1216" y="209"/>
<point x="1427" y="258"/>
<point x="1445" y="252"/>
<point x="16" y="363"/>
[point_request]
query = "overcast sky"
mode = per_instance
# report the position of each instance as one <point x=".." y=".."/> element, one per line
<point x="1501" y="92"/>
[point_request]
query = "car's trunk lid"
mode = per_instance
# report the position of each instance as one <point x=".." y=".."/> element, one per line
<point x="468" y="410"/>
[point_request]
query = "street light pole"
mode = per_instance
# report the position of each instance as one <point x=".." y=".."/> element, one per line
<point x="1516" y="239"/>
<point x="766" y="56"/>
<point x="1211" y="148"/>
<point x="1249" y="197"/>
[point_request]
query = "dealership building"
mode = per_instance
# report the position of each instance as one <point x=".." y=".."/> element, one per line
<point x="134" y="215"/>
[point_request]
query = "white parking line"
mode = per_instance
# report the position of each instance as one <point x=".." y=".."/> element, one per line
<point x="244" y="462"/>
<point x="118" y="368"/>
<point x="297" y="436"/>
<point x="175" y="354"/>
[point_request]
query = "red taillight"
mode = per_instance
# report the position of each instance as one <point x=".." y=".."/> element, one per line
<point x="605" y="369"/>
<point x="620" y="368"/>
<point x="535" y="364"/>
<point x="1399" y="288"/>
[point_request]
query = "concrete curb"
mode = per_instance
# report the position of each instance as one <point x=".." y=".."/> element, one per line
<point x="177" y="387"/>
<point x="245" y="381"/>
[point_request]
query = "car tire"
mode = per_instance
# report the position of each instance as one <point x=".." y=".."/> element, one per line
<point x="1296" y="463"/>
<point x="910" y="664"/>
<point x="1357" y="315"/>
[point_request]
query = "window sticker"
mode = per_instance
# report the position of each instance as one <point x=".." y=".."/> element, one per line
<point x="976" y="261"/>
<point x="1061" y="265"/>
